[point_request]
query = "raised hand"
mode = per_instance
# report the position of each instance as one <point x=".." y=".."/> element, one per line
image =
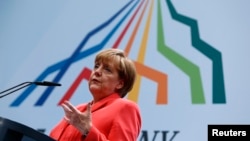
<point x="80" y="120"/>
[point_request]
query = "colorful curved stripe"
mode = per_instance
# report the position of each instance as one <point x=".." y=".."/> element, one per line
<point x="143" y="70"/>
<point x="121" y="36"/>
<point x="179" y="61"/>
<point x="64" y="64"/>
<point x="183" y="64"/>
<point x="213" y="54"/>
<point x="132" y="37"/>
<point x="85" y="73"/>
<point x="157" y="76"/>
<point x="141" y="54"/>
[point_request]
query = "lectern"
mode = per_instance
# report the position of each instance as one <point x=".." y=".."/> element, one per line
<point x="14" y="131"/>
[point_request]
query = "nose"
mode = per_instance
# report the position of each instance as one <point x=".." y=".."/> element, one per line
<point x="98" y="71"/>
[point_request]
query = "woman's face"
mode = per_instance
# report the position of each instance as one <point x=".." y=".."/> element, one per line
<point x="104" y="80"/>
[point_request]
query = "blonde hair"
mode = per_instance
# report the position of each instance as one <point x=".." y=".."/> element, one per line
<point x="125" y="67"/>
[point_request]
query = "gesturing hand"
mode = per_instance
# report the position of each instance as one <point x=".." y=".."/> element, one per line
<point x="80" y="120"/>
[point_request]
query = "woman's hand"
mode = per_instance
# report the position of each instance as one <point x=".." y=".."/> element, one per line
<point x="80" y="120"/>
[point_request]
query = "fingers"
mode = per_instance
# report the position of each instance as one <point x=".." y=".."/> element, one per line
<point x="65" y="108"/>
<point x="66" y="118"/>
<point x="81" y="120"/>
<point x="67" y="105"/>
<point x="71" y="110"/>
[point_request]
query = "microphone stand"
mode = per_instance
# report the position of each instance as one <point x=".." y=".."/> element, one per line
<point x="25" y="84"/>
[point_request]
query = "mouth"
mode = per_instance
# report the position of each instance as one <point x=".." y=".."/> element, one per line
<point x="95" y="80"/>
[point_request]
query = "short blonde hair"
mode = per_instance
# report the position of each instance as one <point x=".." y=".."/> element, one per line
<point x="125" y="67"/>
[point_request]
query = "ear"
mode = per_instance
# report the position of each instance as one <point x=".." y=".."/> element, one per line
<point x="120" y="84"/>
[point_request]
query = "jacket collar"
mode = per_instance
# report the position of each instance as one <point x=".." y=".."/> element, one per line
<point x="103" y="102"/>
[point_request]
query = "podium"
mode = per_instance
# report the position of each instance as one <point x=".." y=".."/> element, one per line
<point x="14" y="131"/>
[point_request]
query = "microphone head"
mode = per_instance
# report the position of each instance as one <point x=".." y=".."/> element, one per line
<point x="47" y="83"/>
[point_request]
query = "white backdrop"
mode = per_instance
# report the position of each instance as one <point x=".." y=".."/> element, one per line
<point x="36" y="37"/>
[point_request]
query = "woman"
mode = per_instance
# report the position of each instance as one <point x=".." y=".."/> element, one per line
<point x="108" y="117"/>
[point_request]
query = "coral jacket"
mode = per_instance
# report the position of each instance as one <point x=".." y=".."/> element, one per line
<point x="113" y="119"/>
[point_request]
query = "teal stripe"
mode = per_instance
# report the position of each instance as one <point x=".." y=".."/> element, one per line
<point x="185" y="65"/>
<point x="213" y="54"/>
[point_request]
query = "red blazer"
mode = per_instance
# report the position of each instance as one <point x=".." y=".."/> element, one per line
<point x="113" y="119"/>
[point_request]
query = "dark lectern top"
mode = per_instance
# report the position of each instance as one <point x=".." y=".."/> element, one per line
<point x="14" y="131"/>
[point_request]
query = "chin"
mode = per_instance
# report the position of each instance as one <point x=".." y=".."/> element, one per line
<point x="95" y="89"/>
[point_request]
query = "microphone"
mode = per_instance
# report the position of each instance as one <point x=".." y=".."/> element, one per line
<point x="47" y="83"/>
<point x="25" y="84"/>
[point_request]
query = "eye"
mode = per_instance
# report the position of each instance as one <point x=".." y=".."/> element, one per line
<point x="96" y="65"/>
<point x="107" y="68"/>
